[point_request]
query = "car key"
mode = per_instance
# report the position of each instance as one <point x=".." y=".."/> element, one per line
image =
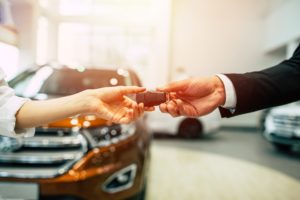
<point x="151" y="98"/>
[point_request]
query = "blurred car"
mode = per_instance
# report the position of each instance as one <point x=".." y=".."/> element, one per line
<point x="75" y="158"/>
<point x="164" y="125"/>
<point x="261" y="124"/>
<point x="282" y="126"/>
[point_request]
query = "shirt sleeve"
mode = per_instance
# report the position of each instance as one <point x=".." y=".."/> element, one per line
<point x="230" y="98"/>
<point x="9" y="106"/>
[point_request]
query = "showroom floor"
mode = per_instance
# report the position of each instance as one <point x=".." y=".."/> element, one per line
<point x="230" y="165"/>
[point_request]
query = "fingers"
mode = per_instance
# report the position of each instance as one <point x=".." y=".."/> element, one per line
<point x="141" y="109"/>
<point x="132" y="114"/>
<point x="128" y="102"/>
<point x="129" y="111"/>
<point x="173" y="109"/>
<point x="149" y="109"/>
<point x="137" y="111"/>
<point x="106" y="114"/>
<point x="124" y="90"/>
<point x="120" y="113"/>
<point x="174" y="86"/>
<point x="180" y="107"/>
<point x="170" y="107"/>
<point x="124" y="120"/>
<point x="163" y="108"/>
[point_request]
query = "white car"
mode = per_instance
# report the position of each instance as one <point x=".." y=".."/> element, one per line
<point x="282" y="126"/>
<point x="161" y="123"/>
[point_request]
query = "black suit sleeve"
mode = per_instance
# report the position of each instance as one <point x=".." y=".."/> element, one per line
<point x="270" y="87"/>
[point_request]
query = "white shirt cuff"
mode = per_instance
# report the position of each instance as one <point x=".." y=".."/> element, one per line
<point x="8" y="120"/>
<point x="230" y="101"/>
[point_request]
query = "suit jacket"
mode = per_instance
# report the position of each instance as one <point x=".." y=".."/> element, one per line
<point x="267" y="88"/>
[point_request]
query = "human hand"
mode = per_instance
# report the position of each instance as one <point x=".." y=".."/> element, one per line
<point x="112" y="104"/>
<point x="193" y="97"/>
<point x="108" y="103"/>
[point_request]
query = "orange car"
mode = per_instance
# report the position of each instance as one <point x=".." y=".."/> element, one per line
<point x="75" y="158"/>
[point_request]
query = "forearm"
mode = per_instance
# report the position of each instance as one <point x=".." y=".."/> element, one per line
<point x="36" y="113"/>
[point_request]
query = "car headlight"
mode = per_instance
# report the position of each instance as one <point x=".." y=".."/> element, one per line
<point x="269" y="124"/>
<point x="107" y="135"/>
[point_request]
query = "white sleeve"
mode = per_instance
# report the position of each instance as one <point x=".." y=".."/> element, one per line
<point x="9" y="106"/>
<point x="230" y="101"/>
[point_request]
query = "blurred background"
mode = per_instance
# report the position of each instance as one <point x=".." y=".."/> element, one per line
<point x="165" y="40"/>
<point x="155" y="38"/>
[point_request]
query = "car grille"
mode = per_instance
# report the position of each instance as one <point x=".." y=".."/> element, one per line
<point x="286" y="122"/>
<point x="49" y="153"/>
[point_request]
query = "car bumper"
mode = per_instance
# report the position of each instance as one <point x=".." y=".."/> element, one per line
<point x="275" y="138"/>
<point x="86" y="178"/>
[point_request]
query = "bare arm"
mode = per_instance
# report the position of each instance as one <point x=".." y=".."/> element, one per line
<point x="35" y="113"/>
<point x="107" y="103"/>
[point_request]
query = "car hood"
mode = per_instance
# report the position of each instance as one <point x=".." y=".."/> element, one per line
<point x="290" y="109"/>
<point x="84" y="120"/>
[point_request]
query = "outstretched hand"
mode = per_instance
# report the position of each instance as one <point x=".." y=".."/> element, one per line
<point x="109" y="103"/>
<point x="193" y="97"/>
<point x="112" y="104"/>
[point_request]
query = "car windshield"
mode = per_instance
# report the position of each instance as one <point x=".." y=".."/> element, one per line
<point x="68" y="81"/>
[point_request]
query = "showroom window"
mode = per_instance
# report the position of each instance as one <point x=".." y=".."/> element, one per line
<point x="97" y="32"/>
<point x="107" y="33"/>
<point x="94" y="45"/>
<point x="42" y="40"/>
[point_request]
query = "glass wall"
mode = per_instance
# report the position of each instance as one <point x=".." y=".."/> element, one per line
<point x="97" y="33"/>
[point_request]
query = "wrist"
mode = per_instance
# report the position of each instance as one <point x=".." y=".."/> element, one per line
<point x="220" y="90"/>
<point x="86" y="102"/>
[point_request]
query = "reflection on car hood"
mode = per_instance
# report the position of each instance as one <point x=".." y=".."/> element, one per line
<point x="290" y="109"/>
<point x="85" y="120"/>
